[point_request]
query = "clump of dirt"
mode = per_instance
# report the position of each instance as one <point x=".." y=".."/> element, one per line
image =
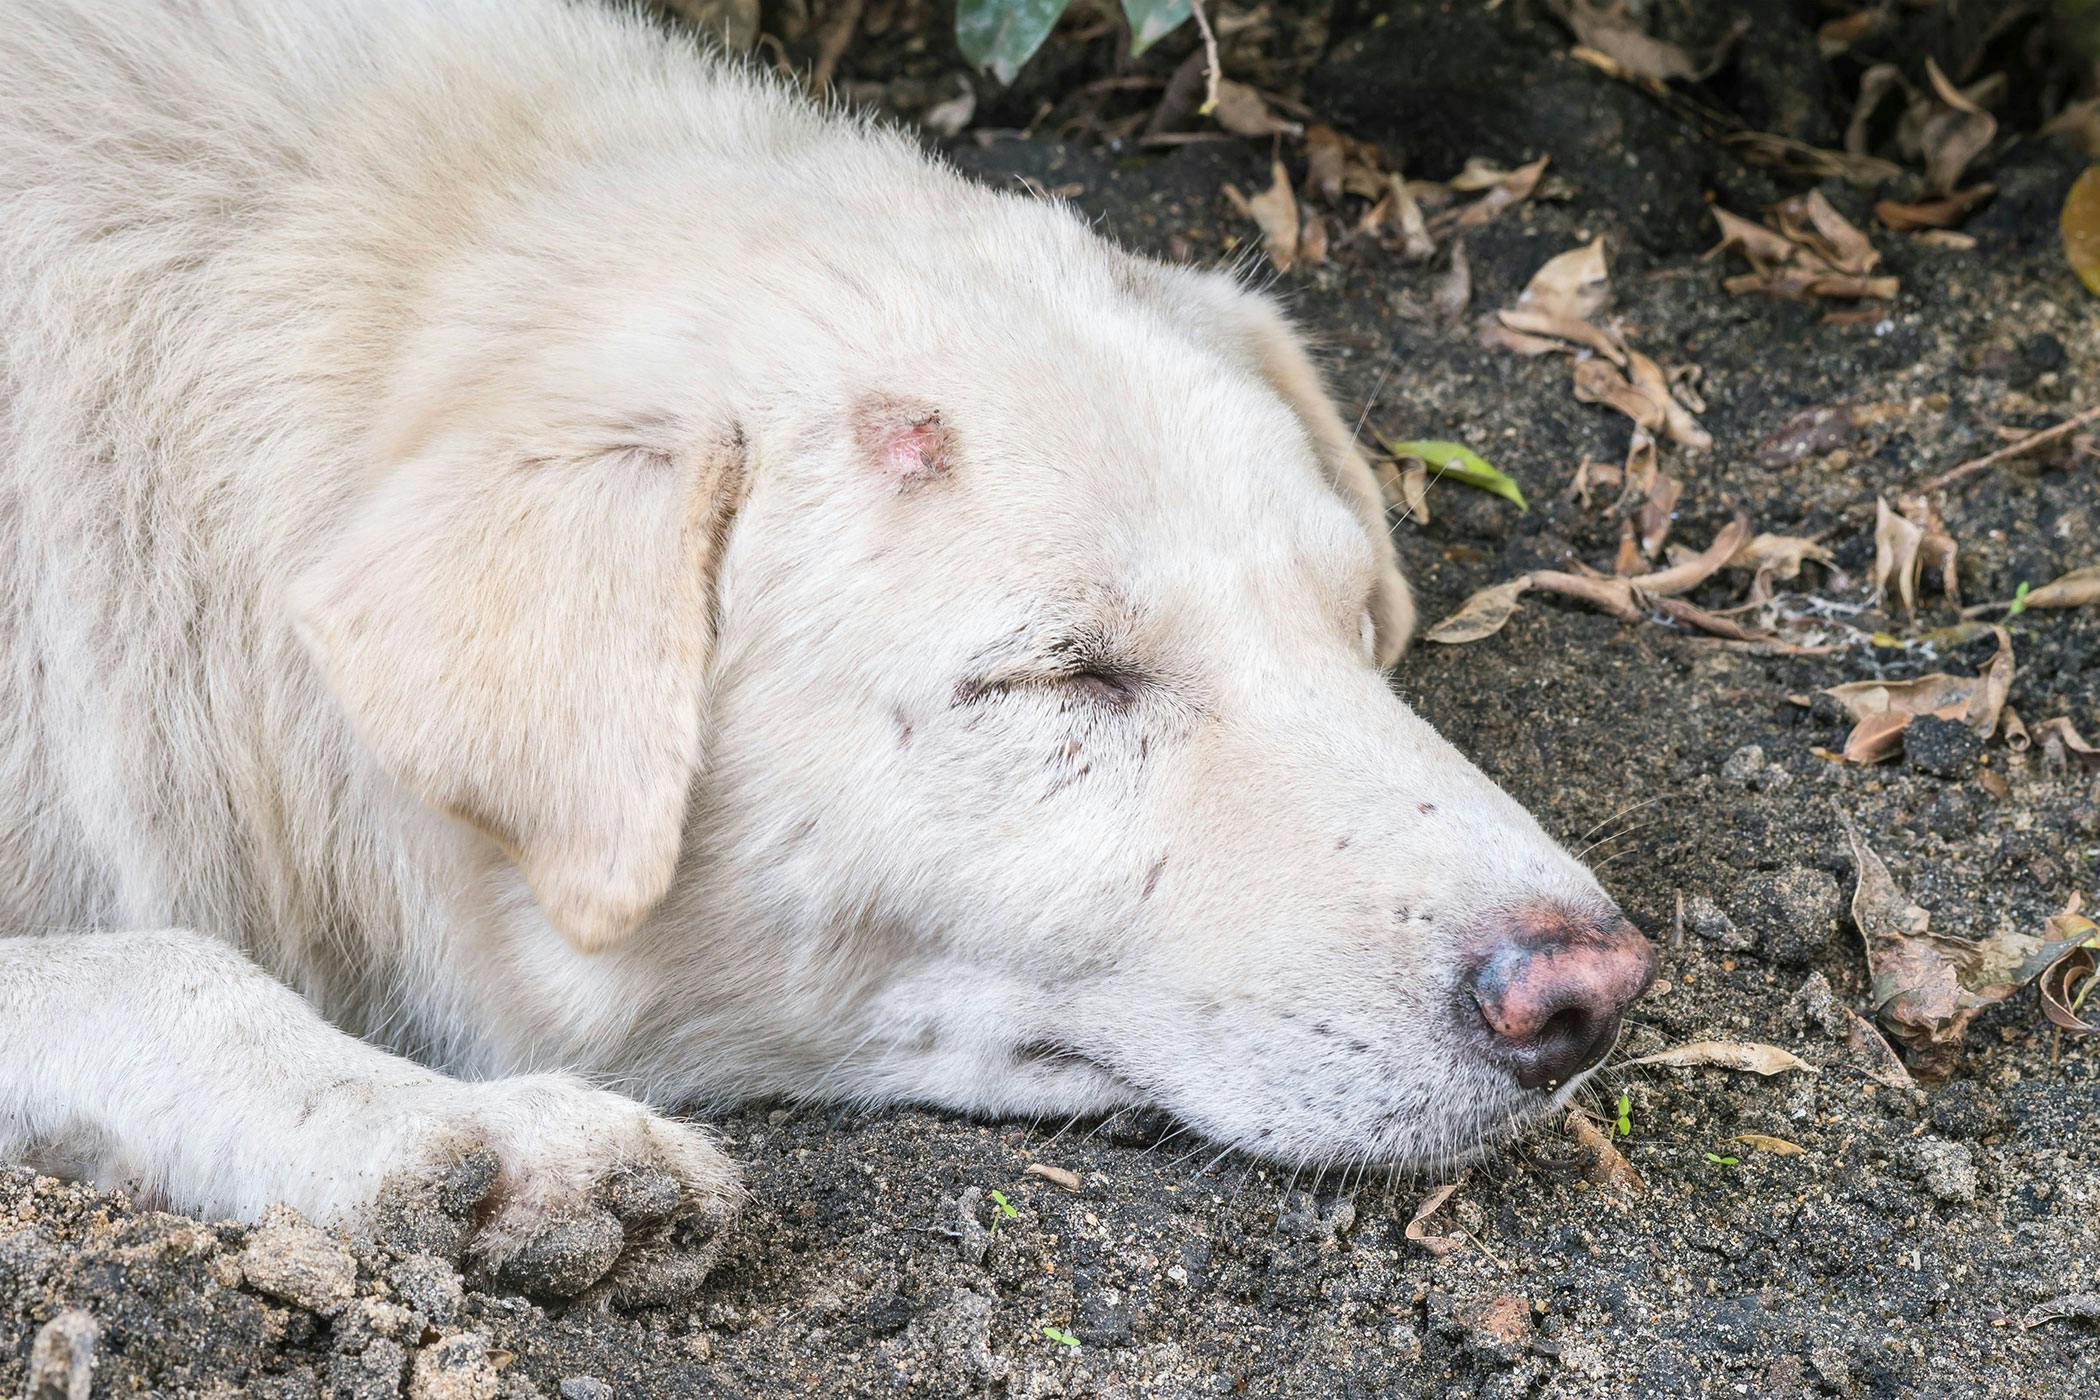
<point x="1828" y="1230"/>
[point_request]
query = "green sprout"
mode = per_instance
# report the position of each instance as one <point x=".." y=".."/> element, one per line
<point x="1002" y="1209"/>
<point x="1718" y="1160"/>
<point x="1625" y="1120"/>
<point x="1060" y="1336"/>
<point x="2019" y="603"/>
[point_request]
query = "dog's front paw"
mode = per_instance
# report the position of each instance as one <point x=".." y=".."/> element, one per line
<point x="553" y="1188"/>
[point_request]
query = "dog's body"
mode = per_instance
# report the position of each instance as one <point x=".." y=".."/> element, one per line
<point x="570" y="559"/>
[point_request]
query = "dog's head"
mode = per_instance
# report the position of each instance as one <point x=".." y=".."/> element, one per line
<point x="970" y="691"/>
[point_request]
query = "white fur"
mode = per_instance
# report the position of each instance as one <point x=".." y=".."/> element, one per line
<point x="452" y="551"/>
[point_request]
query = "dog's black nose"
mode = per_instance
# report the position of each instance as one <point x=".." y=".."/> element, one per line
<point x="1550" y="989"/>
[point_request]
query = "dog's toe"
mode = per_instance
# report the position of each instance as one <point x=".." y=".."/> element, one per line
<point x="556" y="1258"/>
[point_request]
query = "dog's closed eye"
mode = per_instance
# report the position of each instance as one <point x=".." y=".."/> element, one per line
<point x="1104" y="685"/>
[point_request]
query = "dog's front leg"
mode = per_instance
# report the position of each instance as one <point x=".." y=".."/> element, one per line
<point x="169" y="1064"/>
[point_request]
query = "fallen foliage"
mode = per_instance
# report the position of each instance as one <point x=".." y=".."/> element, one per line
<point x="1748" y="1056"/>
<point x="1882" y="710"/>
<point x="1805" y="249"/>
<point x="1926" y="987"/>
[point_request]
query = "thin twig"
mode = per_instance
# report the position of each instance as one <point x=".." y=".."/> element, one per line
<point x="2011" y="449"/>
<point x="837" y="36"/>
<point x="1210" y="57"/>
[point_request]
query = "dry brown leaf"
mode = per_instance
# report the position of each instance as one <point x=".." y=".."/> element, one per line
<point x="1611" y="595"/>
<point x="1799" y="158"/>
<point x="1780" y="555"/>
<point x="1608" y="1166"/>
<point x="1628" y="51"/>
<point x="1882" y="710"/>
<point x="1275" y="212"/>
<point x="1811" y="223"/>
<point x="1455" y="291"/>
<point x="1482" y="615"/>
<point x="1244" y="112"/>
<point x="1533" y="322"/>
<point x="1762" y="246"/>
<point x="1945" y="212"/>
<point x="1396" y="209"/>
<point x="1907" y="541"/>
<point x="1513" y="189"/>
<point x="1751" y="1056"/>
<point x="1597" y="381"/>
<point x="2066" y="983"/>
<point x="1875" y="1057"/>
<point x="1765" y="1142"/>
<point x="1690" y="573"/>
<point x="2063" y="745"/>
<point x="1927" y="987"/>
<point x="1948" y="129"/>
<point x="2079" y="588"/>
<point x="1896" y="545"/>
<point x="1326" y="158"/>
<point x="1056" y="1176"/>
<point x="1678" y="423"/>
<point x="1572" y="286"/>
<point x="1418" y="1227"/>
<point x="1657" y="511"/>
<point x="1496" y="336"/>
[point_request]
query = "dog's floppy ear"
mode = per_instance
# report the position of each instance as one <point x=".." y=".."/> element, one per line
<point x="1250" y="325"/>
<point x="522" y="642"/>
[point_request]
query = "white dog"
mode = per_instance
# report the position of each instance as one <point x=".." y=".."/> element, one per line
<point x="524" y="547"/>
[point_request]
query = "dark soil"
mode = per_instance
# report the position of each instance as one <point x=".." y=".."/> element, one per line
<point x="1898" y="1254"/>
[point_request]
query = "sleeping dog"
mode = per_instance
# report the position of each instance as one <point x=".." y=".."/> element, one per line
<point x="544" y="579"/>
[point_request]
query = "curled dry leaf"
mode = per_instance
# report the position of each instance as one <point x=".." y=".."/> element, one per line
<point x="2066" y="983"/>
<point x="2063" y="746"/>
<point x="1908" y="541"/>
<point x="2079" y="588"/>
<point x="1482" y="615"/>
<point x="1882" y="710"/>
<point x="1418" y="1226"/>
<point x="1597" y="381"/>
<point x="1948" y="129"/>
<point x="1608" y="1166"/>
<point x="1275" y="212"/>
<point x="1750" y="1056"/>
<point x="1799" y="158"/>
<point x="1572" y="286"/>
<point x="1690" y="573"/>
<point x="1678" y="423"/>
<point x="1944" y="212"/>
<point x="1657" y="511"/>
<point x="1765" y="1142"/>
<point x="1056" y="1176"/>
<point x="1513" y="189"/>
<point x="1779" y="555"/>
<point x="1244" y="112"/>
<point x="1455" y="291"/>
<point x="1927" y="987"/>
<point x="1873" y="1055"/>
<point x="1395" y="217"/>
<point x="1533" y="323"/>
<point x="1806" y="249"/>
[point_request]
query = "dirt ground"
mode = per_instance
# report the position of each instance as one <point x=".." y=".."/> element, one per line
<point x="1899" y="1253"/>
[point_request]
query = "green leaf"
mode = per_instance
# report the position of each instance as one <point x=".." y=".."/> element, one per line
<point x="1153" y="20"/>
<point x="1060" y="1336"/>
<point x="1462" y="464"/>
<point x="1002" y="34"/>
<point x="1625" y="1123"/>
<point x="2019" y="603"/>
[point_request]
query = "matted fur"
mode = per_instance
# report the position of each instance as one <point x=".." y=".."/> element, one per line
<point x="567" y="558"/>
